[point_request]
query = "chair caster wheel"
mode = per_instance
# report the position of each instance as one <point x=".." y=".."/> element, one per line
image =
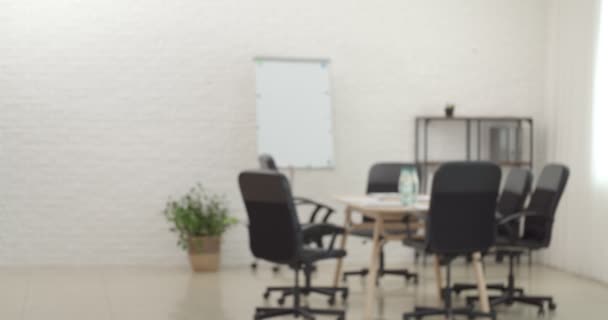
<point x="331" y="301"/>
<point x="345" y="295"/>
<point x="266" y="295"/>
<point x="541" y="312"/>
<point x="552" y="306"/>
<point x="281" y="301"/>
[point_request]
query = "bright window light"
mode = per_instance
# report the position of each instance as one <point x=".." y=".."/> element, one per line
<point x="600" y="101"/>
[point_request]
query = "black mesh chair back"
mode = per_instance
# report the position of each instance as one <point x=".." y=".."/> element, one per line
<point x="267" y="162"/>
<point x="461" y="217"/>
<point x="544" y="201"/>
<point x="274" y="228"/>
<point x="513" y="197"/>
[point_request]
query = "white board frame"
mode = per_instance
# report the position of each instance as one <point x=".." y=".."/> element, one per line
<point x="295" y="123"/>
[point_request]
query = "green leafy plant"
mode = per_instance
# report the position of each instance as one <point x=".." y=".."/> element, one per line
<point x="198" y="214"/>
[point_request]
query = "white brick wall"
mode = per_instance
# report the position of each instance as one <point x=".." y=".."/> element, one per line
<point x="108" y="107"/>
<point x="581" y="218"/>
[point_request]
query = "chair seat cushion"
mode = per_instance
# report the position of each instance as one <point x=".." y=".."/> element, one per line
<point x="503" y="242"/>
<point x="314" y="232"/>
<point x="320" y="229"/>
<point x="309" y="255"/>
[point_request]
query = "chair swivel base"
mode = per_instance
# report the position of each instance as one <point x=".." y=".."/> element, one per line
<point x="327" y="291"/>
<point x="448" y="311"/>
<point x="421" y="312"/>
<point x="382" y="272"/>
<point x="297" y="310"/>
<point x="509" y="299"/>
<point x="512" y="295"/>
<point x="275" y="268"/>
<point x="304" y="312"/>
<point x="460" y="287"/>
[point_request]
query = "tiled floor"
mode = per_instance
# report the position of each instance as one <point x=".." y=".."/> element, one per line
<point x="175" y="293"/>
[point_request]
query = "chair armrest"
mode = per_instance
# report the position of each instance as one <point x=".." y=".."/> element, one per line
<point x="504" y="222"/>
<point x="302" y="200"/>
<point x="318" y="207"/>
<point x="499" y="216"/>
<point x="323" y="229"/>
<point x="518" y="215"/>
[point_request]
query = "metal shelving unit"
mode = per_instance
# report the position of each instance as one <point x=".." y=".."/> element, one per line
<point x="523" y="127"/>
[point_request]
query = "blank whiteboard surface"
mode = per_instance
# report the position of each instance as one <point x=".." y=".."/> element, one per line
<point x="294" y="114"/>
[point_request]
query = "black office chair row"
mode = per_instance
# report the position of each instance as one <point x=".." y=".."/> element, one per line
<point x="467" y="190"/>
<point x="462" y="220"/>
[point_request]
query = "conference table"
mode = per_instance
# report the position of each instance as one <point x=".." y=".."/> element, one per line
<point x="388" y="214"/>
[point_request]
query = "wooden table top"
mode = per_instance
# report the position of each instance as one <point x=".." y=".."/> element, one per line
<point x="383" y="205"/>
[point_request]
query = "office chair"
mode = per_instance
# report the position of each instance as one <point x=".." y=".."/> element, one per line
<point x="311" y="235"/>
<point x="313" y="232"/>
<point x="538" y="226"/>
<point x="512" y="199"/>
<point x="275" y="235"/>
<point x="382" y="178"/>
<point x="460" y="221"/>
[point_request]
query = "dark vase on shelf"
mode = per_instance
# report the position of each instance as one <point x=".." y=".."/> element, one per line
<point x="449" y="110"/>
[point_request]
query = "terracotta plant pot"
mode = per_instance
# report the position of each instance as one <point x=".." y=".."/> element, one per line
<point x="204" y="253"/>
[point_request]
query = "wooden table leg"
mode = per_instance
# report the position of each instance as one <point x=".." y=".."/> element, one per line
<point x="347" y="224"/>
<point x="439" y="280"/>
<point x="373" y="269"/>
<point x="484" y="302"/>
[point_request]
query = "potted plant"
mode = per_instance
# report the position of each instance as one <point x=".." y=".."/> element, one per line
<point x="200" y="219"/>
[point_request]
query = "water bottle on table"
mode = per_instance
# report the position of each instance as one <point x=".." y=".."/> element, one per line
<point x="408" y="186"/>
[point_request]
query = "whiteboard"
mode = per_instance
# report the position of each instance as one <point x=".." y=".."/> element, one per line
<point x="294" y="113"/>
